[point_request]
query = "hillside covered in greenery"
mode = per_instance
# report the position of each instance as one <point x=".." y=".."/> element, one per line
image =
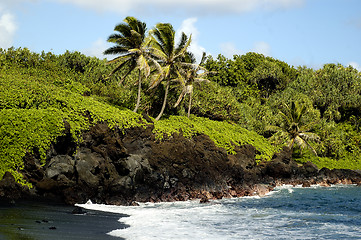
<point x="41" y="93"/>
<point x="250" y="99"/>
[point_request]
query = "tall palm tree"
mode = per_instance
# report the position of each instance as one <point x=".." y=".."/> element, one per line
<point x="293" y="127"/>
<point x="190" y="73"/>
<point x="168" y="54"/>
<point x="132" y="46"/>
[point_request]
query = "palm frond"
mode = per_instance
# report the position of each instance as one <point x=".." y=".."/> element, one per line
<point x="309" y="136"/>
<point x="119" y="66"/>
<point x="180" y="78"/>
<point x="132" y="66"/>
<point x="143" y="65"/>
<point x="122" y="58"/>
<point x="156" y="65"/>
<point x="300" y="142"/>
<point x="310" y="147"/>
<point x="167" y="37"/>
<point x="113" y="38"/>
<point x="157" y="37"/>
<point x="203" y="59"/>
<point x="167" y="71"/>
<point x="182" y="50"/>
<point x="273" y="128"/>
<point x="158" y="53"/>
<point x="301" y="111"/>
<point x="189" y="57"/>
<point x="147" y="41"/>
<point x="116" y="50"/>
<point x="136" y="25"/>
<point x="286" y="120"/>
<point x="123" y="29"/>
<point x="182" y="43"/>
<point x="159" y="77"/>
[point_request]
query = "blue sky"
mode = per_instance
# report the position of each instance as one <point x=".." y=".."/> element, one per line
<point x="299" y="32"/>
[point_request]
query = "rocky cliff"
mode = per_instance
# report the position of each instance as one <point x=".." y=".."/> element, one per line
<point x="116" y="167"/>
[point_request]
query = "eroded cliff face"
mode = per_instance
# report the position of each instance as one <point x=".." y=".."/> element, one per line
<point x="115" y="167"/>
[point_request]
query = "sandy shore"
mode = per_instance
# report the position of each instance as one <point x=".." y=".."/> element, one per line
<point x="33" y="220"/>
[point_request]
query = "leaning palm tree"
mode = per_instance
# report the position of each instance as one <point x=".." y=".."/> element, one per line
<point x="293" y="129"/>
<point x="132" y="46"/>
<point x="190" y="73"/>
<point x="168" y="54"/>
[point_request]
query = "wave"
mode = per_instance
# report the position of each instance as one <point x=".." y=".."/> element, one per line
<point x="303" y="213"/>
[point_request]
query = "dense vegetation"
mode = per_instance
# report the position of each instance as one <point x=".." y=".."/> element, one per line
<point x="252" y="99"/>
<point x="264" y="88"/>
<point x="41" y="93"/>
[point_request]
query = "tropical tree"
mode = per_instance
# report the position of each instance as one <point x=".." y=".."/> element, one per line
<point x="293" y="128"/>
<point x="132" y="46"/>
<point x="191" y="73"/>
<point x="169" y="55"/>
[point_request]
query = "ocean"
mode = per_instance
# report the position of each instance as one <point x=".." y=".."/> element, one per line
<point x="286" y="213"/>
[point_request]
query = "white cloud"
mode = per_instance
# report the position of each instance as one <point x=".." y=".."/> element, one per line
<point x="188" y="27"/>
<point x="7" y="29"/>
<point x="263" y="48"/>
<point x="355" y="65"/>
<point x="189" y="6"/>
<point x="96" y="49"/>
<point x="228" y="49"/>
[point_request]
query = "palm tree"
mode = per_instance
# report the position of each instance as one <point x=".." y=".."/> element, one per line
<point x="132" y="46"/>
<point x="191" y="73"/>
<point x="168" y="54"/>
<point x="293" y="128"/>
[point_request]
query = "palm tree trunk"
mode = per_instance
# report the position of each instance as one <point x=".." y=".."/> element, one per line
<point x="164" y="101"/>
<point x="190" y="103"/>
<point x="139" y="91"/>
<point x="291" y="145"/>
<point x="180" y="98"/>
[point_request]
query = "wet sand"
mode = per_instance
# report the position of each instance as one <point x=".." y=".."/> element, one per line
<point x="38" y="221"/>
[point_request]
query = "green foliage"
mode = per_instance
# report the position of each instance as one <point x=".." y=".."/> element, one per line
<point x="38" y="92"/>
<point x="132" y="48"/>
<point x="169" y="54"/>
<point x="256" y="116"/>
<point x="349" y="162"/>
<point x="26" y="130"/>
<point x="335" y="90"/>
<point x="293" y="128"/>
<point x="25" y="92"/>
<point x="35" y="102"/>
<point x="215" y="102"/>
<point x="225" y="135"/>
<point x="339" y="141"/>
<point x="254" y="73"/>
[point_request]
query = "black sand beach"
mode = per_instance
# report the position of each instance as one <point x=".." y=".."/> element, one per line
<point x="43" y="221"/>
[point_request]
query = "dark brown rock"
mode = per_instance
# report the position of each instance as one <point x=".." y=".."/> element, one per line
<point x="310" y="169"/>
<point x="115" y="167"/>
<point x="10" y="189"/>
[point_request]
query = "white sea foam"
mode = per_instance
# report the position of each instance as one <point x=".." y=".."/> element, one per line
<point x="179" y="220"/>
<point x="237" y="218"/>
<point x="191" y="220"/>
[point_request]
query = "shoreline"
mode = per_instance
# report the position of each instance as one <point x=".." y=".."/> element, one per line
<point x="285" y="210"/>
<point x="259" y="190"/>
<point x="118" y="168"/>
<point x="46" y="220"/>
<point x="249" y="187"/>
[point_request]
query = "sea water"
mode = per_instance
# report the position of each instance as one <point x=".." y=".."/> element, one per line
<point x="286" y="213"/>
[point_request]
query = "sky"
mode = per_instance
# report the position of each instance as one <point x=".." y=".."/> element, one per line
<point x="300" y="32"/>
